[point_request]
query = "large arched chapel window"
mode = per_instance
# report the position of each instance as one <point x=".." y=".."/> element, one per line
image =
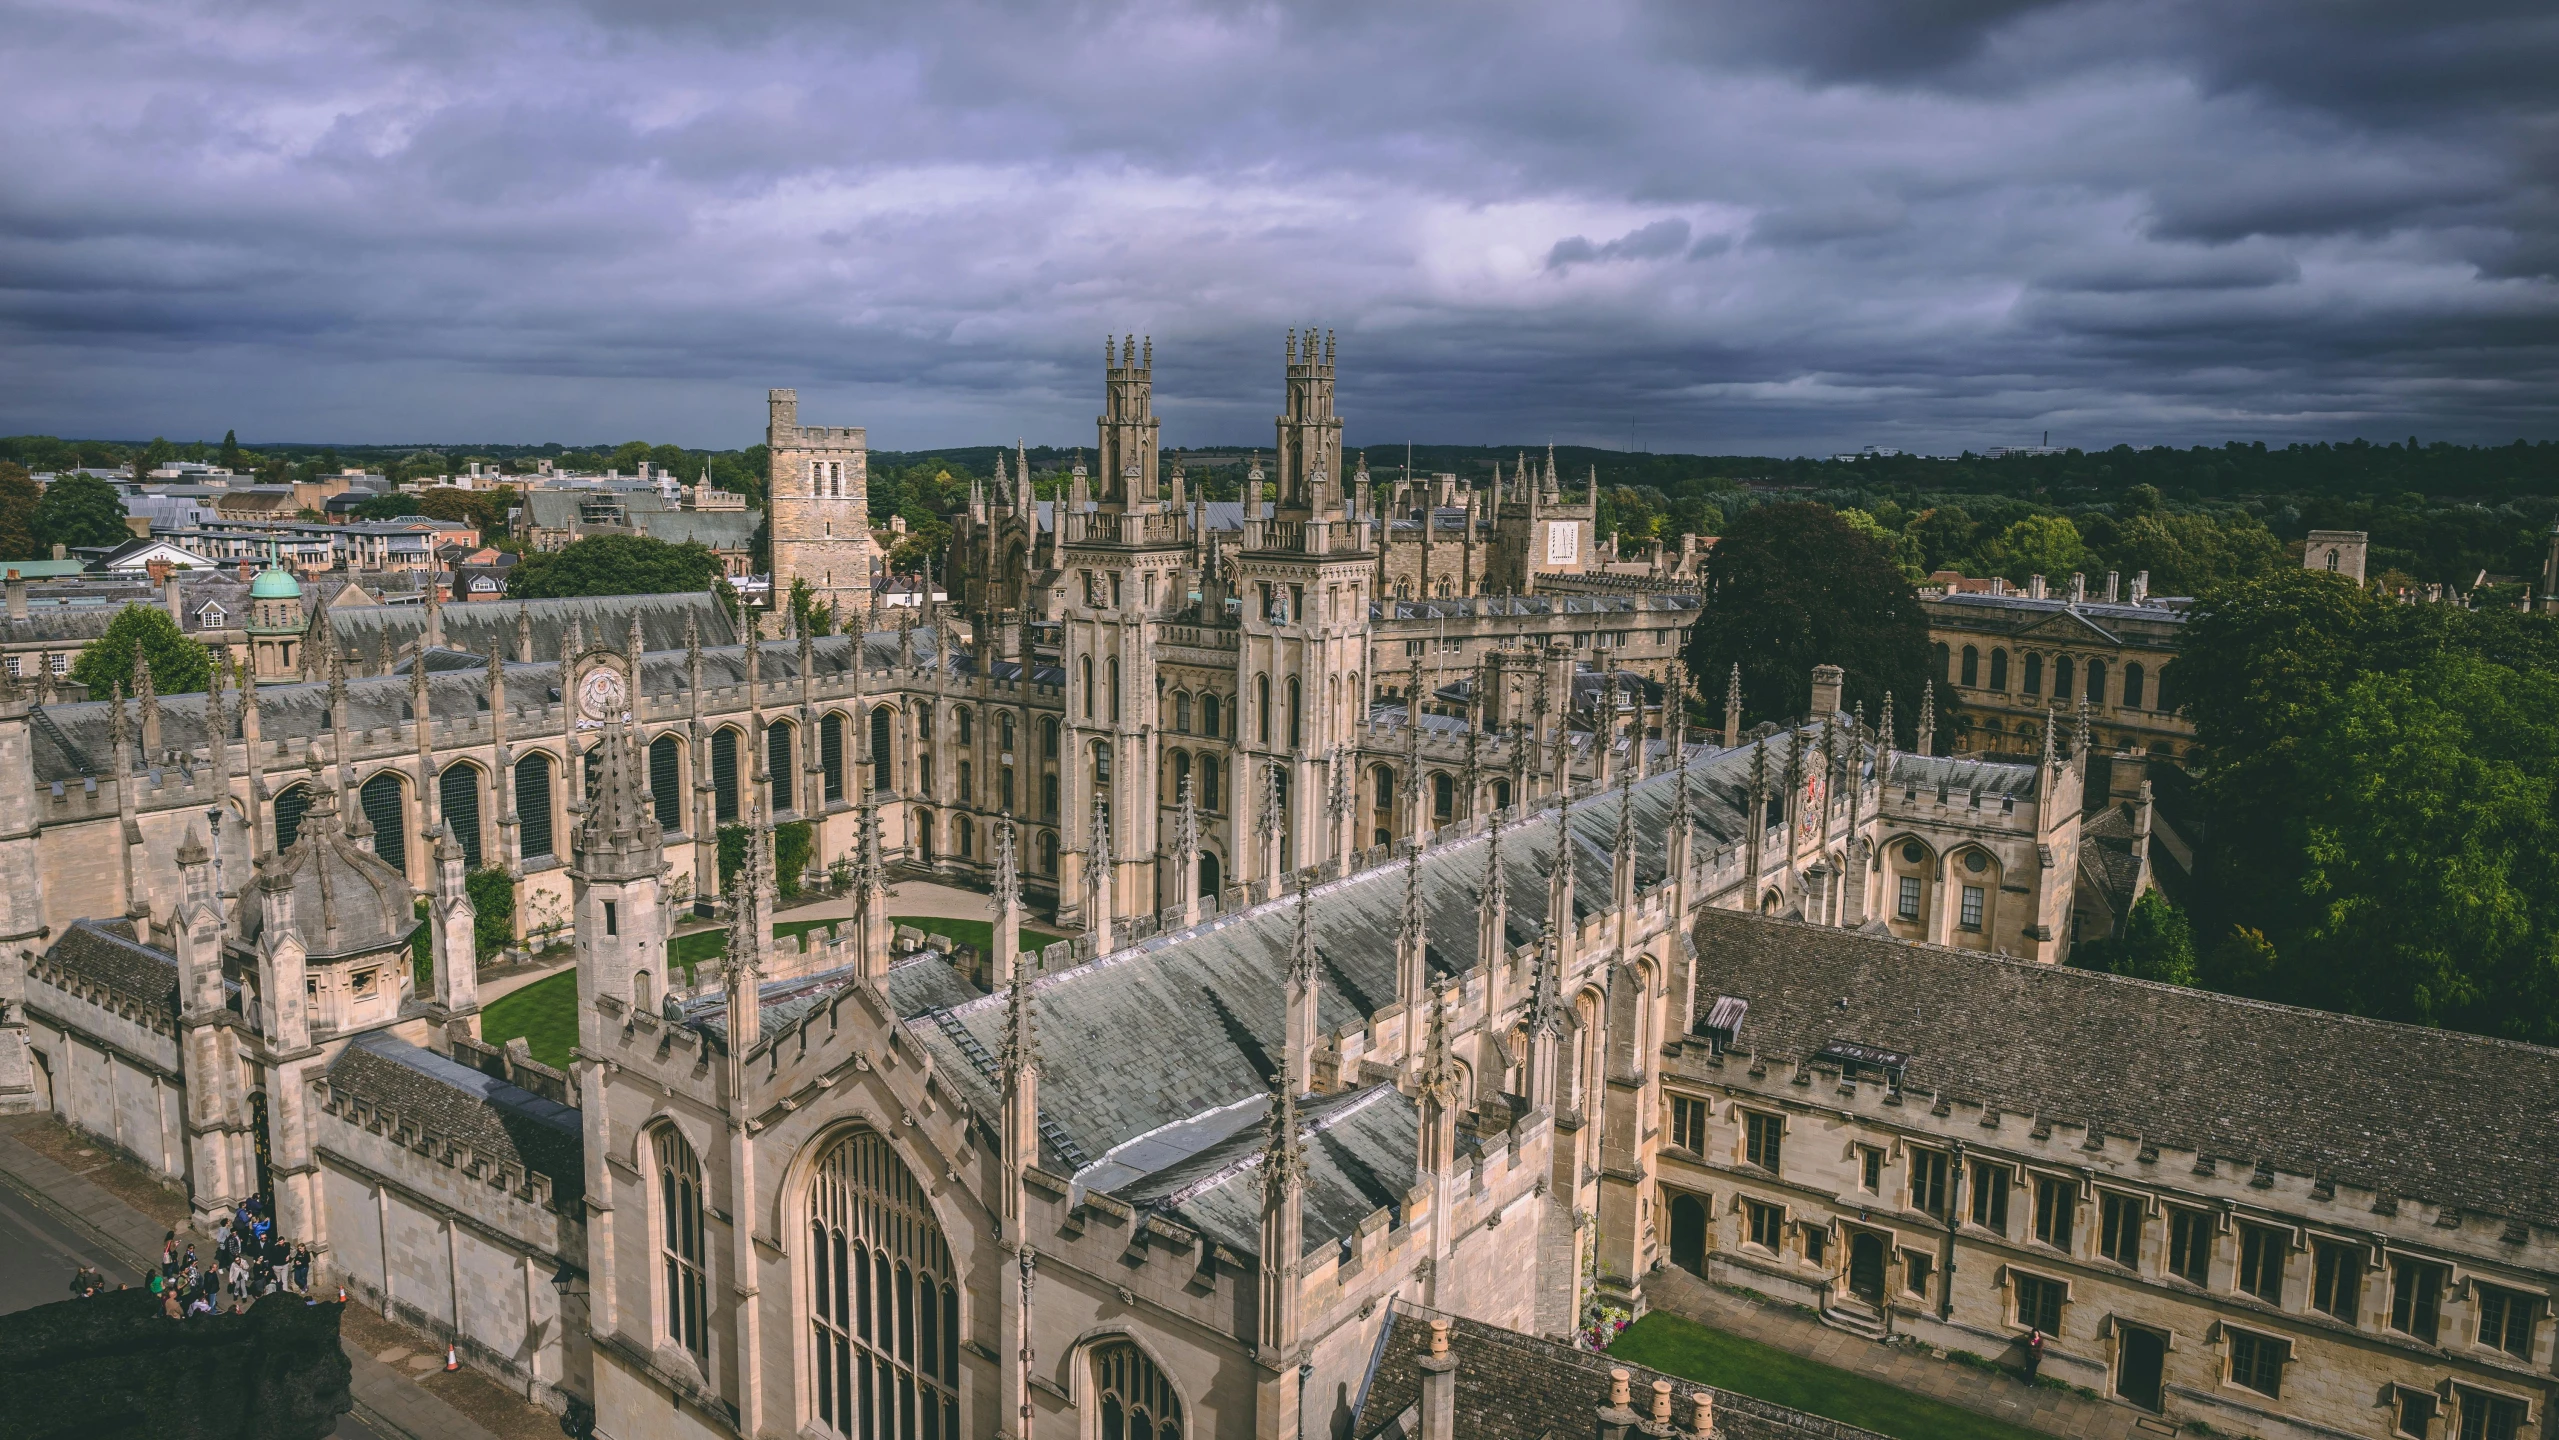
<point x="680" y="1242"/>
<point x="1136" y="1401"/>
<point x="883" y="1300"/>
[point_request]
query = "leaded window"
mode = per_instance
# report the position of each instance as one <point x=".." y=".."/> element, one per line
<point x="680" y="1247"/>
<point x="883" y="1300"/>
<point x="1137" y="1402"/>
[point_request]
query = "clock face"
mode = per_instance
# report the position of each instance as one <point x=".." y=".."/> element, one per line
<point x="602" y="695"/>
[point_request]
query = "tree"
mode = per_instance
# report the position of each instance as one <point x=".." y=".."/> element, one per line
<point x="80" y="510"/>
<point x="809" y="615"/>
<point x="615" y="565"/>
<point x="19" y="497"/>
<point x="2188" y="554"/>
<point x="2046" y="545"/>
<point x="2156" y="944"/>
<point x="1792" y="586"/>
<point x="178" y="665"/>
<point x="234" y="458"/>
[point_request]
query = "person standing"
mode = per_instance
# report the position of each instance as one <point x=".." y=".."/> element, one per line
<point x="2034" y="1354"/>
<point x="302" y="1269"/>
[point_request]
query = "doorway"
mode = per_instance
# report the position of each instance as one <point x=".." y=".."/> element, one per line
<point x="1866" y="1267"/>
<point x="2141" y="1355"/>
<point x="1688" y="1233"/>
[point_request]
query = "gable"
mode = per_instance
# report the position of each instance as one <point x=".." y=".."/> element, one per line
<point x="2068" y="627"/>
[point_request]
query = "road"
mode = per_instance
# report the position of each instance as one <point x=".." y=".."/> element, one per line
<point x="38" y="1253"/>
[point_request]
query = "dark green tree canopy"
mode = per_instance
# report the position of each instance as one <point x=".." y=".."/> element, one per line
<point x="19" y="497"/>
<point x="1793" y="586"/>
<point x="178" y="664"/>
<point x="614" y="565"/>
<point x="80" y="510"/>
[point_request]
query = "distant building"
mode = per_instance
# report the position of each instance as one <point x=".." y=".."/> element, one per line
<point x="2339" y="552"/>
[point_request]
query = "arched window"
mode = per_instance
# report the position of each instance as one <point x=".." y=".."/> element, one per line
<point x="533" y="805"/>
<point x="2061" y="678"/>
<point x="1384" y="780"/>
<point x="924" y="836"/>
<point x="1111" y="668"/>
<point x="1208" y="715"/>
<point x="1048" y="848"/>
<point x="1296" y="716"/>
<point x="290" y="805"/>
<point x="1262" y="704"/>
<point x="457" y="793"/>
<point x="1972" y="667"/>
<point x="1005" y="730"/>
<point x="1182" y="711"/>
<point x="2096" y="682"/>
<point x="1945" y="660"/>
<point x="883" y="726"/>
<point x="1084" y="672"/>
<point x="384" y="811"/>
<point x="2034" y="675"/>
<point x="1137" y="1402"/>
<point x="1999" y="671"/>
<point x="1048" y="738"/>
<point x="883" y="1300"/>
<point x="1048" y="795"/>
<point x="1181" y="771"/>
<point x="780" y="766"/>
<point x="1443" y="797"/>
<point x="724" y="776"/>
<point x="963" y="837"/>
<point x="830" y="754"/>
<point x="2134" y="681"/>
<point x="666" y="782"/>
<point x="1501" y="794"/>
<point x="1208" y="873"/>
<point x="1212" y="788"/>
<point x="680" y="1248"/>
<point x="966" y="720"/>
<point x="1101" y="763"/>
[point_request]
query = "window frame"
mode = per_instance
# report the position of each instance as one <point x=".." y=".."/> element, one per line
<point x="1763" y="1140"/>
<point x="2341" y="1282"/>
<point x="2116" y="1208"/>
<point x="2264" y="1251"/>
<point x="2025" y="1283"/>
<point x="2512" y="1308"/>
<point x="2405" y="1318"/>
<point x="1987" y="1204"/>
<point x="1929" y="1179"/>
<point x="1764" y="1225"/>
<point x="2262" y="1356"/>
<point x="1688" y="1117"/>
<point x="2049" y="1230"/>
<point x="2201" y="1232"/>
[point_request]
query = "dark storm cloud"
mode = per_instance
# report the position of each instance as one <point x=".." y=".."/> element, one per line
<point x="1717" y="225"/>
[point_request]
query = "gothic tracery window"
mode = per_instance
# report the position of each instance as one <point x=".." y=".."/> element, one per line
<point x="680" y="1241"/>
<point x="1136" y="1401"/>
<point x="883" y="1300"/>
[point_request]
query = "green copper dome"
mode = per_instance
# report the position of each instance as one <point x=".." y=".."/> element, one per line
<point x="275" y="584"/>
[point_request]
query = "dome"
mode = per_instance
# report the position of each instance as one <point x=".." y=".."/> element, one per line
<point x="347" y="901"/>
<point x="275" y="583"/>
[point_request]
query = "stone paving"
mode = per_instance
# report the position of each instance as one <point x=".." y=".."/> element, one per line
<point x="1904" y="1367"/>
<point x="385" y="1396"/>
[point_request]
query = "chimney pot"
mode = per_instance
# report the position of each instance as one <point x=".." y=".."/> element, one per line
<point x="1439" y="1337"/>
<point x="1620" y="1387"/>
<point x="1702" y="1423"/>
<point x="1661" y="1403"/>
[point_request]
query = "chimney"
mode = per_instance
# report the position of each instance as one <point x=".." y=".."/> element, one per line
<point x="2035" y="587"/>
<point x="1827" y="680"/>
<point x="1616" y="1420"/>
<point x="2141" y="588"/>
<point x="169" y="596"/>
<point x="17" y="596"/>
<point x="2078" y="588"/>
<point x="1661" y="1407"/>
<point x="1701" y="1424"/>
<point x="1439" y="1387"/>
<point x="2114" y="580"/>
<point x="248" y="571"/>
<point x="60" y="551"/>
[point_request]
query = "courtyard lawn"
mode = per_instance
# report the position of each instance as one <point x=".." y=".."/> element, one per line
<point x="979" y="933"/>
<point x="545" y="1013"/>
<point x="690" y="951"/>
<point x="1675" y="1346"/>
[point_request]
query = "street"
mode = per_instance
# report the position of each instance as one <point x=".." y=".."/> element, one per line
<point x="38" y="1253"/>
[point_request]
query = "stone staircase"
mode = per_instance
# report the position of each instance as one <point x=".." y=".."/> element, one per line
<point x="1847" y="1312"/>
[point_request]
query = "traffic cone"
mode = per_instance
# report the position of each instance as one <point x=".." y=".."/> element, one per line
<point x="452" y="1362"/>
<point x="342" y="1294"/>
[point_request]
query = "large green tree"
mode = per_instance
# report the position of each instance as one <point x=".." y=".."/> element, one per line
<point x="80" y="510"/>
<point x="2046" y="545"/>
<point x="178" y="665"/>
<point x="1792" y="586"/>
<point x="19" y="497"/>
<point x="614" y="565"/>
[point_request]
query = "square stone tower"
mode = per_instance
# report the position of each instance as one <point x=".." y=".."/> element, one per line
<point x="817" y="498"/>
<point x="2341" y="551"/>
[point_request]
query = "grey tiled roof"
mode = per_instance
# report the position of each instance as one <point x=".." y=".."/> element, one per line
<point x="502" y="1123"/>
<point x="1511" y="1386"/>
<point x="2413" y="1113"/>
<point x="105" y="953"/>
<point x="480" y="628"/>
<point x="1962" y="774"/>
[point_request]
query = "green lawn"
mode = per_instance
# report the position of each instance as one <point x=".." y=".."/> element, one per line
<point x="1681" y="1347"/>
<point x="691" y="950"/>
<point x="545" y="1013"/>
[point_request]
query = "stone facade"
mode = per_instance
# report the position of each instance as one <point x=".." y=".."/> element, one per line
<point x="817" y="499"/>
<point x="2009" y="661"/>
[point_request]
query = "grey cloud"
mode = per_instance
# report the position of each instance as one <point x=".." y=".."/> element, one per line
<point x="1934" y="223"/>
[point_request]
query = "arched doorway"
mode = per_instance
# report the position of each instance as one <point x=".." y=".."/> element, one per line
<point x="1688" y="1233"/>
<point x="1210" y="879"/>
<point x="1866" y="1267"/>
<point x="883" y="1300"/>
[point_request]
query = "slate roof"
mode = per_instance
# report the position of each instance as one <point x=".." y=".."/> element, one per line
<point x="1495" y="606"/>
<point x="1962" y="774"/>
<point x="2413" y="1113"/>
<point x="2021" y="612"/>
<point x="1512" y="1386"/>
<point x="606" y="618"/>
<point x="105" y="953"/>
<point x="502" y="1123"/>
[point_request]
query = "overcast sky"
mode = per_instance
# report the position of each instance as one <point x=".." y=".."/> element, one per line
<point x="1728" y="227"/>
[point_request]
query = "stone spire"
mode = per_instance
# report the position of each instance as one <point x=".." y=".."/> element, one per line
<point x="1186" y="855"/>
<point x="1928" y="718"/>
<point x="2079" y="740"/>
<point x="146" y="697"/>
<point x="1266" y="823"/>
<point x="1005" y="946"/>
<point x="1492" y="918"/>
<point x="1884" y="732"/>
<point x="1098" y="901"/>
<point x="2051" y="761"/>
<point x="750" y="931"/>
<point x="1300" y="1037"/>
<point x="1733" y="709"/>
<point x="1337" y="808"/>
<point x="1283" y="1229"/>
<point x="1621" y="850"/>
<point x="1021" y="1051"/>
<point x="618" y="836"/>
<point x="1412" y="954"/>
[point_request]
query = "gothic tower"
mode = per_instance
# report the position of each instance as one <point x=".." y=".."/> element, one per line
<point x="1304" y="575"/>
<point x="817" y="499"/>
<point x="1124" y="575"/>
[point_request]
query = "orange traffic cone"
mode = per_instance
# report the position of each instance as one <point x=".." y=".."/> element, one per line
<point x="342" y="1294"/>
<point x="452" y="1362"/>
